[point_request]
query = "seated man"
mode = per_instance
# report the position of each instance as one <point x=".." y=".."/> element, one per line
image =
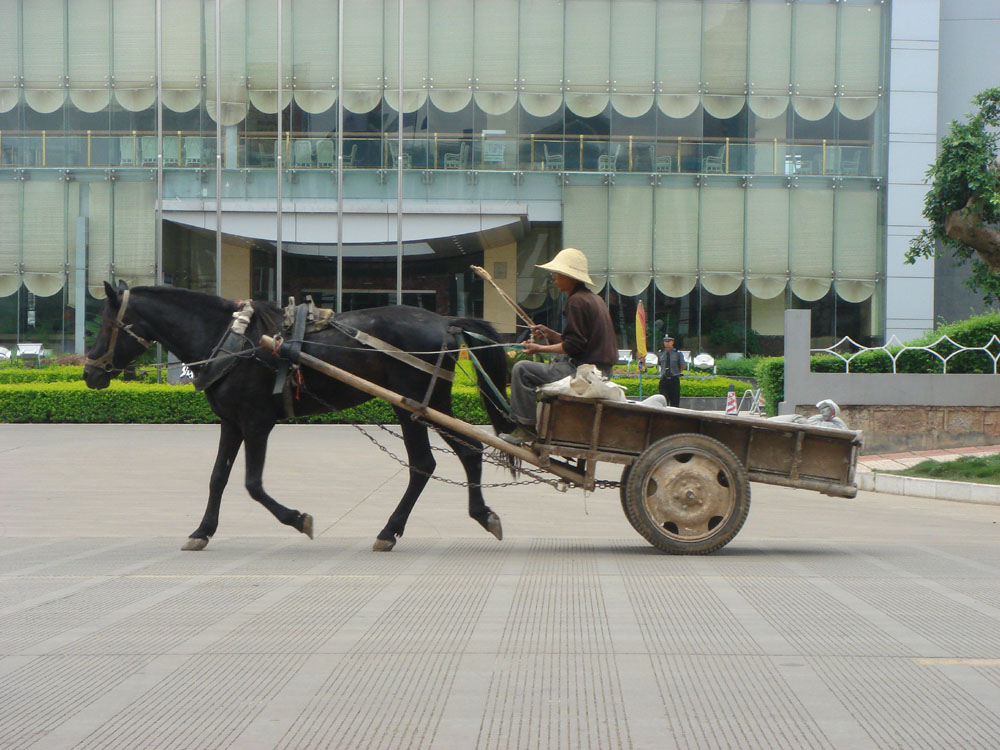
<point x="589" y="338"/>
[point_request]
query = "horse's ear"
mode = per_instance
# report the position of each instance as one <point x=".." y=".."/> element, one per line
<point x="122" y="286"/>
<point x="111" y="293"/>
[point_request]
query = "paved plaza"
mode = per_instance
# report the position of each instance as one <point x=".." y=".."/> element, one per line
<point x="826" y="623"/>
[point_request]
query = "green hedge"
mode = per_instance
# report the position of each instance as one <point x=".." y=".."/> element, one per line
<point x="55" y="374"/>
<point x="155" y="404"/>
<point x="690" y="386"/>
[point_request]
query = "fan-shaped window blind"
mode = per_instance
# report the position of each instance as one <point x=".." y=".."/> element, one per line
<point x="496" y="55"/>
<point x="858" y="60"/>
<point x="769" y="71"/>
<point x="89" y="54"/>
<point x="44" y="54"/>
<point x="99" y="237"/>
<point x="629" y="239"/>
<point x="585" y="227"/>
<point x="262" y="54"/>
<point x="814" y="42"/>
<point x="767" y="241"/>
<point x="451" y="65"/>
<point x="134" y="54"/>
<point x="134" y="232"/>
<point x="10" y="237"/>
<point x="810" y="236"/>
<point x="721" y="253"/>
<point x="540" y="56"/>
<point x="678" y="57"/>
<point x="44" y="232"/>
<point x="10" y="49"/>
<point x="588" y="56"/>
<point x="314" y="54"/>
<point x="181" y="52"/>
<point x="855" y="250"/>
<point x="233" y="44"/>
<point x="675" y="239"/>
<point x="414" y="54"/>
<point x="364" y="57"/>
<point x="633" y="69"/>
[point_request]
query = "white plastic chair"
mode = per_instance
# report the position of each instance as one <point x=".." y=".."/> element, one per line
<point x="553" y="160"/>
<point x="704" y="361"/>
<point x="609" y="162"/>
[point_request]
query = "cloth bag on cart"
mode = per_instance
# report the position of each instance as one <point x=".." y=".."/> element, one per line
<point x="588" y="382"/>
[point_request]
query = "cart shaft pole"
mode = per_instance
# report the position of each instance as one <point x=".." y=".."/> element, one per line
<point x="439" y="418"/>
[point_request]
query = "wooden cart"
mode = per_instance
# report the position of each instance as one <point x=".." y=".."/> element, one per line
<point x="685" y="486"/>
<point x="685" y="483"/>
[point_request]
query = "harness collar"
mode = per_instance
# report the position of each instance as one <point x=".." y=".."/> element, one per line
<point x="106" y="360"/>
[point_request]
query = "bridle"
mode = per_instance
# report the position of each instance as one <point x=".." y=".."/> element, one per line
<point x="106" y="360"/>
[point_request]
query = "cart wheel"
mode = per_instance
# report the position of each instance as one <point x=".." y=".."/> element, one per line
<point x="623" y="494"/>
<point x="687" y="494"/>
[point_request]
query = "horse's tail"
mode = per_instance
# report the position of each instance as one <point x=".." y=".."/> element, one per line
<point x="493" y="365"/>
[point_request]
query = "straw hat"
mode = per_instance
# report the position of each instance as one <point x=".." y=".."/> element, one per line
<point x="569" y="262"/>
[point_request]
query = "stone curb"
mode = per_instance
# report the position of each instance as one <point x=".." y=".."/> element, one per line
<point x="937" y="489"/>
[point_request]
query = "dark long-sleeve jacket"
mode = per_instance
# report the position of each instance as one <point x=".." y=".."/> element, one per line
<point x="589" y="336"/>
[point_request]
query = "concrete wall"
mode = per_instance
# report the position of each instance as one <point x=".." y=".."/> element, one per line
<point x="896" y="412"/>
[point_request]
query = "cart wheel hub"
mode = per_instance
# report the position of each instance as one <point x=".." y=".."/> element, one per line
<point x="688" y="494"/>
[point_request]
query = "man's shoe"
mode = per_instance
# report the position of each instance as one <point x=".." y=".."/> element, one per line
<point x="519" y="436"/>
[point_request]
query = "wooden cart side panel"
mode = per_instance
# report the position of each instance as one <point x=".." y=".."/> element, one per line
<point x="777" y="453"/>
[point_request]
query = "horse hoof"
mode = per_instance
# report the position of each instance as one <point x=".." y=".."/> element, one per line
<point x="383" y="545"/>
<point x="493" y="525"/>
<point x="307" y="525"/>
<point x="194" y="544"/>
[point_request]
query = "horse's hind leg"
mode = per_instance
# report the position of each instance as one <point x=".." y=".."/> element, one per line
<point x="418" y="451"/>
<point x="470" y="453"/>
<point x="230" y="439"/>
<point x="256" y="451"/>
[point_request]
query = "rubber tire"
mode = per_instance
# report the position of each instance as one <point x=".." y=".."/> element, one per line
<point x="664" y="450"/>
<point x="622" y="485"/>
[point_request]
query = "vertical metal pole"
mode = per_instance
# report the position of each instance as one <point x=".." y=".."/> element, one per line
<point x="280" y="198"/>
<point x="399" y="165"/>
<point x="340" y="156"/>
<point x="159" y="170"/>
<point x="218" y="147"/>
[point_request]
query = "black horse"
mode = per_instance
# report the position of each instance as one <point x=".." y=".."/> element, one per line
<point x="191" y="324"/>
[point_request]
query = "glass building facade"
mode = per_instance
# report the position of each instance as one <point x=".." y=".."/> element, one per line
<point x="718" y="160"/>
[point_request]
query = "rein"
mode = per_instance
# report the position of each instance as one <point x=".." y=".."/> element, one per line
<point x="106" y="360"/>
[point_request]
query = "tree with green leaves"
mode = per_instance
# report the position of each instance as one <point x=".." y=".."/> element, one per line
<point x="963" y="205"/>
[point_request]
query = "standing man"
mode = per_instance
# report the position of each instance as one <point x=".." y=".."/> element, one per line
<point x="671" y="366"/>
<point x="588" y="338"/>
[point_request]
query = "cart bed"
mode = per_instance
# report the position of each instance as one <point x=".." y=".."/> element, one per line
<point x="781" y="453"/>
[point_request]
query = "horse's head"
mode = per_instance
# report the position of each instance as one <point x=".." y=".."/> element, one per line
<point x="112" y="352"/>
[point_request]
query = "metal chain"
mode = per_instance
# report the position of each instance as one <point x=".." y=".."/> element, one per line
<point x="536" y="479"/>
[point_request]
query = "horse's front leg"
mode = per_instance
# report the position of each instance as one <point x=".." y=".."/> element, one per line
<point x="418" y="452"/>
<point x="470" y="453"/>
<point x="255" y="441"/>
<point x="230" y="439"/>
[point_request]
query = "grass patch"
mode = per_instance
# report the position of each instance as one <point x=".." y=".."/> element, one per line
<point x="981" y="469"/>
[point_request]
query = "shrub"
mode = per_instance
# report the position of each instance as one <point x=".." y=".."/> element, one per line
<point x="172" y="404"/>
<point x="770" y="375"/>
<point x="690" y="386"/>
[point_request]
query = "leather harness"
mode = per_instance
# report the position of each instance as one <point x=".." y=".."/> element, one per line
<point x="106" y="360"/>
